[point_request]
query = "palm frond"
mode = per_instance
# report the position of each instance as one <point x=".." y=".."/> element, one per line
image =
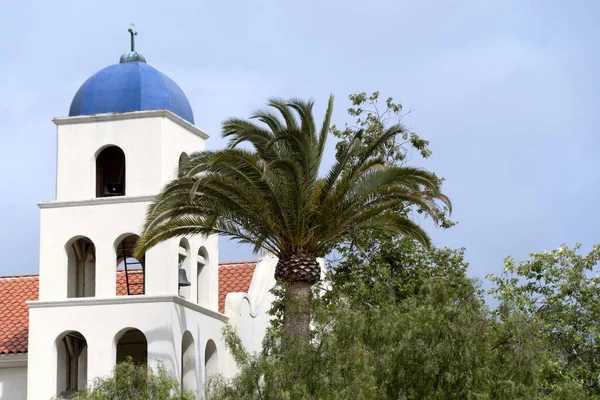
<point x="270" y="195"/>
<point x="281" y="106"/>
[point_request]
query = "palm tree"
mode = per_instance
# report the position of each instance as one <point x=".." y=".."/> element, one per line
<point x="268" y="193"/>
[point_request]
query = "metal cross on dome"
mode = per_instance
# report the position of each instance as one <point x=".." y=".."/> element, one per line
<point x="133" y="33"/>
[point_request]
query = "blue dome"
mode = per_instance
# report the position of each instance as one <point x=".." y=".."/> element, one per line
<point x="130" y="86"/>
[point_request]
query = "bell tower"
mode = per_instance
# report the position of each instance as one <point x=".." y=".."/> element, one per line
<point x="110" y="166"/>
<point x="128" y="129"/>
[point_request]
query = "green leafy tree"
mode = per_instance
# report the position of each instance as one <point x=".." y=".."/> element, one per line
<point x="372" y="116"/>
<point x="409" y="325"/>
<point x="561" y="290"/>
<point x="134" y="382"/>
<point x="271" y="196"/>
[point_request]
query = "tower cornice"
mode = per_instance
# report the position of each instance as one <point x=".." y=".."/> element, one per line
<point x="96" y="201"/>
<point x="81" y="119"/>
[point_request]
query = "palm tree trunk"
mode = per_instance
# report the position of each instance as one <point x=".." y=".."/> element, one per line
<point x="298" y="273"/>
<point x="296" y="312"/>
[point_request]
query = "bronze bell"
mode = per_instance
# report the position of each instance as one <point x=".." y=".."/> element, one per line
<point x="183" y="280"/>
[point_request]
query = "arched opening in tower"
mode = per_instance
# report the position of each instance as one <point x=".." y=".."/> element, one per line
<point x="211" y="361"/>
<point x="110" y="172"/>
<point x="131" y="272"/>
<point x="189" y="370"/>
<point x="81" y="270"/>
<point x="71" y="363"/>
<point x="184" y="269"/>
<point x="132" y="344"/>
<point x="202" y="277"/>
<point x="183" y="159"/>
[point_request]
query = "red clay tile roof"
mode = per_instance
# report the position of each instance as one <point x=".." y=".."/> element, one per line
<point x="16" y="290"/>
<point x="14" y="315"/>
<point x="136" y="282"/>
<point x="234" y="277"/>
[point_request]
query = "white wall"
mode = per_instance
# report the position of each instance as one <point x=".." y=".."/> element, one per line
<point x="13" y="383"/>
<point x="105" y="225"/>
<point x="207" y="286"/>
<point x="151" y="140"/>
<point x="248" y="312"/>
<point x="174" y="141"/>
<point x="162" y="319"/>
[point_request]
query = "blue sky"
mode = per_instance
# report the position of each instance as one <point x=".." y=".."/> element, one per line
<point x="507" y="92"/>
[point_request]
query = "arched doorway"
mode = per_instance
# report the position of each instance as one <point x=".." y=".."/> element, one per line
<point x="189" y="370"/>
<point x="81" y="268"/>
<point x="110" y="172"/>
<point x="71" y="363"/>
<point x="132" y="343"/>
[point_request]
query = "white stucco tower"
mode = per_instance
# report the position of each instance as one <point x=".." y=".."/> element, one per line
<point x="128" y="129"/>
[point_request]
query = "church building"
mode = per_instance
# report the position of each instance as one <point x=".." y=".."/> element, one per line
<point x="92" y="305"/>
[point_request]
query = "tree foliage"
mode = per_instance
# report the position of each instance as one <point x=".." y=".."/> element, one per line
<point x="370" y="117"/>
<point x="418" y="329"/>
<point x="560" y="289"/>
<point x="135" y="382"/>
